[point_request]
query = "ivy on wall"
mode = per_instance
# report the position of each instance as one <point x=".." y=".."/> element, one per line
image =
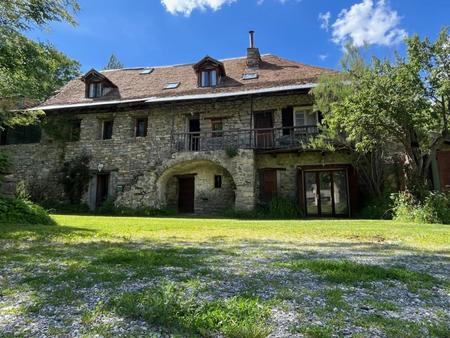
<point x="75" y="178"/>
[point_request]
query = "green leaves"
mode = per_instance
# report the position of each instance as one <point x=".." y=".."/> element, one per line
<point x="23" y="14"/>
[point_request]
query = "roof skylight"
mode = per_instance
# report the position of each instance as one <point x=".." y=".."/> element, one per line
<point x="249" y="76"/>
<point x="147" y="71"/>
<point x="172" y="85"/>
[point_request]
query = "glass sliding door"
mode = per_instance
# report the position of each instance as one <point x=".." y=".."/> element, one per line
<point x="326" y="193"/>
<point x="312" y="194"/>
<point x="340" y="195"/>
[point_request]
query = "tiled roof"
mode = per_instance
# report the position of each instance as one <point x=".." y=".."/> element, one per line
<point x="273" y="72"/>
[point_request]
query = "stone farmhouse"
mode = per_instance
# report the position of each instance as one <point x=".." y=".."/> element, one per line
<point x="198" y="138"/>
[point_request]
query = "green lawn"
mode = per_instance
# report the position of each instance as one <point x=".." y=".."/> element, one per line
<point x="116" y="276"/>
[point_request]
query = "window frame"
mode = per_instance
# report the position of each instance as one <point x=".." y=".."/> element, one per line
<point x="206" y="74"/>
<point x="75" y="126"/>
<point x="103" y="135"/>
<point x="305" y="111"/>
<point x="216" y="132"/>
<point x="136" y="126"/>
<point x="97" y="89"/>
<point x="218" y="181"/>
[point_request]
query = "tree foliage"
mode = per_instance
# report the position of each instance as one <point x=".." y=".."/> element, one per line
<point x="30" y="71"/>
<point x="114" y="63"/>
<point x="400" y="106"/>
<point x="23" y="14"/>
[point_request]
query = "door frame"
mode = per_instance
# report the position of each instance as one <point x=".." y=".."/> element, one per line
<point x="346" y="168"/>
<point x="181" y="177"/>
<point x="107" y="177"/>
<point x="267" y="135"/>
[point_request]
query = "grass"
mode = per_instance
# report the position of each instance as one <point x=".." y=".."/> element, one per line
<point x="349" y="272"/>
<point x="168" y="306"/>
<point x="222" y="277"/>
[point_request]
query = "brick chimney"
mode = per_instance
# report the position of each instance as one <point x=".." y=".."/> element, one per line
<point x="253" y="56"/>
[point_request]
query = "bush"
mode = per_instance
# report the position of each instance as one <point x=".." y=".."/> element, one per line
<point x="277" y="208"/>
<point x="435" y="208"/>
<point x="377" y="208"/>
<point x="75" y="178"/>
<point x="65" y="208"/>
<point x="108" y="208"/>
<point x="13" y="210"/>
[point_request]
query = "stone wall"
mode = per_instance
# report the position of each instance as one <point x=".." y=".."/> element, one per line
<point x="139" y="166"/>
<point x="287" y="165"/>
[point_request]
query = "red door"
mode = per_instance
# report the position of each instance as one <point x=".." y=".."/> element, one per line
<point x="186" y="190"/>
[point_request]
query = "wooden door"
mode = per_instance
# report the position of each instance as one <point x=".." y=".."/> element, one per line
<point x="102" y="189"/>
<point x="268" y="184"/>
<point x="263" y="122"/>
<point x="186" y="194"/>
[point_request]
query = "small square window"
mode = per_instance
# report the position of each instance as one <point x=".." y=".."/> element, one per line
<point x="146" y="71"/>
<point x="218" y="181"/>
<point x="217" y="128"/>
<point x="141" y="127"/>
<point x="107" y="130"/>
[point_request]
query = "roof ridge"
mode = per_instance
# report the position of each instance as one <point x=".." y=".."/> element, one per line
<point x="178" y="64"/>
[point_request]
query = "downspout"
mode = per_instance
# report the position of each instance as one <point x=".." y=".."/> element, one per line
<point x="251" y="121"/>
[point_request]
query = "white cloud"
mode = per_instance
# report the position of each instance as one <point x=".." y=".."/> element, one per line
<point x="366" y="23"/>
<point x="187" y="6"/>
<point x="324" y="19"/>
<point x="323" y="56"/>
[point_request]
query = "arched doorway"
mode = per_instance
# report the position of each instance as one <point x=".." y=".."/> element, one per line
<point x="197" y="186"/>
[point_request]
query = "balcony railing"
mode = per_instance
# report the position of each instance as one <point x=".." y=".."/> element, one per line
<point x="271" y="138"/>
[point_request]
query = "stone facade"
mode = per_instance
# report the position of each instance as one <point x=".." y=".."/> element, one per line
<point x="143" y="171"/>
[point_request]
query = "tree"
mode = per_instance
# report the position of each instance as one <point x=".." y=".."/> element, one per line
<point x="114" y="63"/>
<point x="29" y="69"/>
<point x="22" y="14"/>
<point x="401" y="105"/>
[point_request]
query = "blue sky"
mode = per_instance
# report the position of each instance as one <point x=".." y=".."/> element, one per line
<point x="153" y="32"/>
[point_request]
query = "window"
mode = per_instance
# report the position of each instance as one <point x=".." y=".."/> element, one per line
<point x="95" y="89"/>
<point x="304" y="117"/>
<point x="140" y="127"/>
<point x="209" y="78"/>
<point x="21" y="135"/>
<point x="146" y="71"/>
<point x="250" y="76"/>
<point x="172" y="85"/>
<point x="217" y="128"/>
<point x="107" y="130"/>
<point x="218" y="181"/>
<point x="75" y="130"/>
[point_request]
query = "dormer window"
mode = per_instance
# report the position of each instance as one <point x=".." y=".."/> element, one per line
<point x="95" y="89"/>
<point x="98" y="85"/>
<point x="210" y="72"/>
<point x="209" y="78"/>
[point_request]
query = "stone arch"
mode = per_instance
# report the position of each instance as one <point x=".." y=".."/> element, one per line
<point x="207" y="198"/>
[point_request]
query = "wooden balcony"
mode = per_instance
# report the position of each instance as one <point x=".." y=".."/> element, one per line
<point x="261" y="139"/>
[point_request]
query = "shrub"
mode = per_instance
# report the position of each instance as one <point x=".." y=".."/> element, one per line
<point x="231" y="151"/>
<point x="4" y="165"/>
<point x="65" y="208"/>
<point x="377" y="208"/>
<point x="280" y="207"/>
<point x="435" y="208"/>
<point x="109" y="208"/>
<point x="277" y="208"/>
<point x="75" y="178"/>
<point x="13" y="210"/>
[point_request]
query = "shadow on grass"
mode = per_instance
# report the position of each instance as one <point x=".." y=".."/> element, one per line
<point x="41" y="232"/>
